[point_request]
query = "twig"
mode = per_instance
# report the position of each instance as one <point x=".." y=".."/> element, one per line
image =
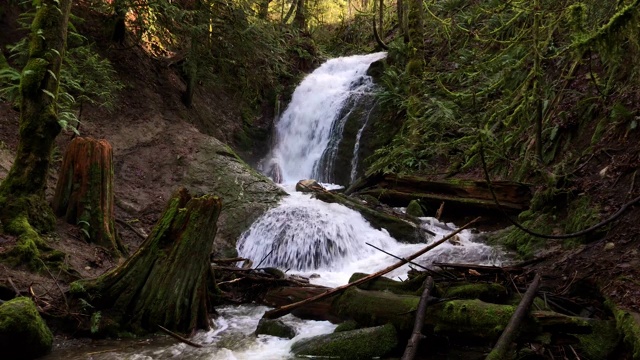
<point x="66" y="303"/>
<point x="400" y="258"/>
<point x="122" y="222"/>
<point x="412" y="346"/>
<point x="179" y="338"/>
<point x="283" y="310"/>
<point x="501" y="350"/>
<point x="15" y="289"/>
<point x="265" y="258"/>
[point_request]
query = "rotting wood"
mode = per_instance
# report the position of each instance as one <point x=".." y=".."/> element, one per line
<point x="84" y="193"/>
<point x="416" y="336"/>
<point x="276" y="313"/>
<point x="487" y="268"/>
<point x="175" y="256"/>
<point x="501" y="349"/>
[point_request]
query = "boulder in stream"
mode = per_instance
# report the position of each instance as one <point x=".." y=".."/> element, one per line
<point x="23" y="333"/>
<point x="275" y="328"/>
<point x="358" y="344"/>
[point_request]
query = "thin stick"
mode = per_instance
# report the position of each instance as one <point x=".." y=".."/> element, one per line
<point x="15" y="289"/>
<point x="178" y="337"/>
<point x="66" y="303"/>
<point x="412" y="346"/>
<point x="410" y="262"/>
<point x="265" y="258"/>
<point x="501" y="350"/>
<point x="284" y="310"/>
<point x="135" y="231"/>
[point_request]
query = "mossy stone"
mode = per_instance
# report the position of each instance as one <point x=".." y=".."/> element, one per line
<point x="23" y="333"/>
<point x="346" y="326"/>
<point x="358" y="344"/>
<point x="275" y="328"/>
<point x="414" y="209"/>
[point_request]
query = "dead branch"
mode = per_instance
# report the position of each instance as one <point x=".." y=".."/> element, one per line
<point x="281" y="311"/>
<point x="501" y="350"/>
<point x="416" y="335"/>
<point x="179" y="338"/>
<point x="122" y="222"/>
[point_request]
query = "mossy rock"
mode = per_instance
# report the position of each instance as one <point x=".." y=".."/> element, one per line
<point x="275" y="328"/>
<point x="23" y="333"/>
<point x="245" y="193"/>
<point x="367" y="343"/>
<point x="414" y="209"/>
<point x="346" y="326"/>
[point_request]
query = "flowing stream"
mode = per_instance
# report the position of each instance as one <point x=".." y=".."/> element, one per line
<point x="302" y="235"/>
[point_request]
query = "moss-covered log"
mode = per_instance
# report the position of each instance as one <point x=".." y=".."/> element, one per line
<point x="464" y="318"/>
<point x="374" y="342"/>
<point x="459" y="195"/>
<point x="84" y="194"/>
<point x="164" y="282"/>
<point x="23" y="210"/>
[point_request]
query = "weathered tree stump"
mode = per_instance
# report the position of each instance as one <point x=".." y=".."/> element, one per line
<point x="84" y="194"/>
<point x="164" y="282"/>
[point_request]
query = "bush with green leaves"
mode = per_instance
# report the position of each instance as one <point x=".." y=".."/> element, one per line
<point x="85" y="76"/>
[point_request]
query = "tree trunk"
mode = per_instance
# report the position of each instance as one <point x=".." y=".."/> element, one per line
<point x="300" y="20"/>
<point x="164" y="282"/>
<point x="23" y="209"/>
<point x="263" y="12"/>
<point x="84" y="193"/>
<point x="119" y="27"/>
<point x="292" y="8"/>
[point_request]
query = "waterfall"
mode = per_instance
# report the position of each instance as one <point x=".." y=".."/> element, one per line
<point x="309" y="130"/>
<point x="307" y="235"/>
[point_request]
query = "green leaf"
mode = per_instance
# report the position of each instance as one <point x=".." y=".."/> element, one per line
<point x="49" y="93"/>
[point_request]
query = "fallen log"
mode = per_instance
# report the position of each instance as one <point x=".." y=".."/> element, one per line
<point x="276" y="313"/>
<point x="416" y="335"/>
<point x="501" y="350"/>
<point x="473" y="319"/>
<point x="399" y="190"/>
<point x="164" y="282"/>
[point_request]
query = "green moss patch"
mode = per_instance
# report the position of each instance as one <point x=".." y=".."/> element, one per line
<point x="23" y="333"/>
<point x="353" y="345"/>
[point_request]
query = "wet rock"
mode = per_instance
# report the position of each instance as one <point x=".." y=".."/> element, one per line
<point x="308" y="185"/>
<point x="414" y="209"/>
<point x="275" y="328"/>
<point x="23" y="333"/>
<point x="245" y="193"/>
<point x="353" y="345"/>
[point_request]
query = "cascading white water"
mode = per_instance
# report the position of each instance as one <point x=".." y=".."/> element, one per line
<point x="356" y="148"/>
<point x="304" y="130"/>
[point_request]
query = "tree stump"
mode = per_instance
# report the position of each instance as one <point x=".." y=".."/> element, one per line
<point x="164" y="282"/>
<point x="84" y="194"/>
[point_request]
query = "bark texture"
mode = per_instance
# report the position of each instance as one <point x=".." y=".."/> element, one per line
<point x="23" y="210"/>
<point x="84" y="194"/>
<point x="164" y="282"/>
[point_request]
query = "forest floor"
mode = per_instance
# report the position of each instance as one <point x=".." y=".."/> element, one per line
<point x="151" y="131"/>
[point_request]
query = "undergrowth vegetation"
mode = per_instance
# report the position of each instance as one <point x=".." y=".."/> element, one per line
<point x="523" y="77"/>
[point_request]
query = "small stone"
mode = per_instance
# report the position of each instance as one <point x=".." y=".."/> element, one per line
<point x="609" y="246"/>
<point x="87" y="267"/>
